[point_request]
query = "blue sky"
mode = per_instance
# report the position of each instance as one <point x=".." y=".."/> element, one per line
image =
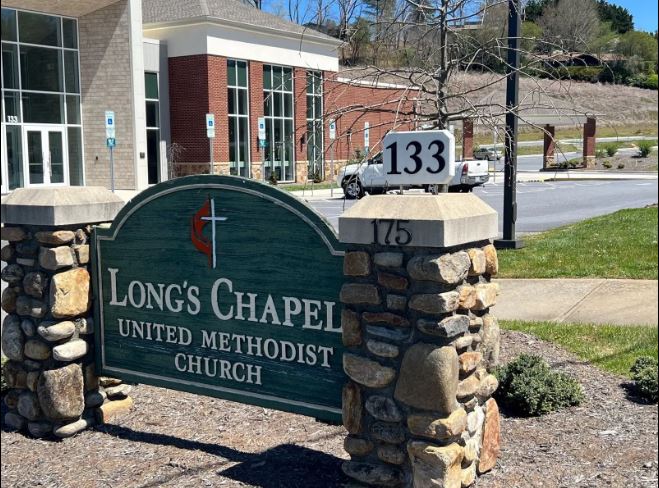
<point x="644" y="12"/>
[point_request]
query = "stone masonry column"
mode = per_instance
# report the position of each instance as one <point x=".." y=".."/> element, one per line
<point x="589" y="142"/>
<point x="549" y="151"/>
<point x="467" y="139"/>
<point x="48" y="332"/>
<point x="421" y="340"/>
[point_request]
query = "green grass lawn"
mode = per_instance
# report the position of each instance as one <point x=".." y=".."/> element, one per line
<point x="613" y="348"/>
<point x="619" y="245"/>
<point x="317" y="186"/>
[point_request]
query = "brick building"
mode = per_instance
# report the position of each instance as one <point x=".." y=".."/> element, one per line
<point x="161" y="66"/>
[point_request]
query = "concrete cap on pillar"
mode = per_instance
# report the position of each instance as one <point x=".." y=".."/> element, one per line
<point x="60" y="206"/>
<point x="445" y="220"/>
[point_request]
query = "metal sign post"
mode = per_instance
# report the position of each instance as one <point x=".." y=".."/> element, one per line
<point x="210" y="133"/>
<point x="262" y="144"/>
<point x="110" y="141"/>
<point x="332" y="136"/>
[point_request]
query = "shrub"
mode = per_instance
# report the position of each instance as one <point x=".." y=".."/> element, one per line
<point x="600" y="154"/>
<point x="645" y="148"/>
<point x="621" y="165"/>
<point x="610" y="148"/>
<point x="273" y="179"/>
<point x="529" y="387"/>
<point x="644" y="374"/>
<point x="574" y="162"/>
<point x="4" y="382"/>
<point x="607" y="164"/>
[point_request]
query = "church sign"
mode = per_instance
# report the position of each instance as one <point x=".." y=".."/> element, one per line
<point x="225" y="287"/>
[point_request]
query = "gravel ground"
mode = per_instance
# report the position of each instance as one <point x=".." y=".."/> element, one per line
<point x="182" y="440"/>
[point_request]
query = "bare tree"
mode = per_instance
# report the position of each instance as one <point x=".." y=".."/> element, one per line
<point x="571" y="24"/>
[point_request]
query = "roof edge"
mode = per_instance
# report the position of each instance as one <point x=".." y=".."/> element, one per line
<point x="209" y="19"/>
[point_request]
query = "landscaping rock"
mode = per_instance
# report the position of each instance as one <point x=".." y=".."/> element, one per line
<point x="393" y="282"/>
<point x="351" y="328"/>
<point x="448" y="327"/>
<point x="109" y="410"/>
<point x="388" y="259"/>
<point x="491" y="260"/>
<point x="357" y="264"/>
<point x="30" y="307"/>
<point x="429" y="378"/>
<point x="35" y="284"/>
<point x="69" y="293"/>
<point x="367" y="372"/>
<point x="11" y="398"/>
<point x="396" y="302"/>
<point x="356" y="446"/>
<point x="468" y="387"/>
<point x="70" y="351"/>
<point x="491" y="345"/>
<point x="27" y="248"/>
<point x="469" y="361"/>
<point x="12" y="274"/>
<point x="12" y="234"/>
<point x="487" y="387"/>
<point x="7" y="253"/>
<point x="32" y="380"/>
<point x="82" y="254"/>
<point x="486" y="295"/>
<point x="85" y="326"/>
<point x="95" y="398"/>
<point x="385" y="318"/>
<point x="14" y="421"/>
<point x="372" y="474"/>
<point x="352" y="408"/>
<point x="478" y="262"/>
<point x="37" y="350"/>
<point x="60" y="393"/>
<point x="55" y="237"/>
<point x="118" y="392"/>
<point x="57" y="331"/>
<point x="463" y="342"/>
<point x="491" y="448"/>
<point x="28" y="405"/>
<point x="39" y="429"/>
<point x="468" y="476"/>
<point x="360" y="294"/>
<point x="13" y="340"/>
<point x="391" y="455"/>
<point x="398" y="335"/>
<point x="445" y="268"/>
<point x="15" y="375"/>
<point x="55" y="258"/>
<point x="68" y="430"/>
<point x="467" y="297"/>
<point x="382" y="349"/>
<point x="439" y="429"/>
<point x="387" y="432"/>
<point x="434" y="466"/>
<point x="9" y="298"/>
<point x="435" y="304"/>
<point x="383" y="408"/>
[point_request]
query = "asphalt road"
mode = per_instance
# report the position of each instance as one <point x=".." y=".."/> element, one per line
<point x="543" y="206"/>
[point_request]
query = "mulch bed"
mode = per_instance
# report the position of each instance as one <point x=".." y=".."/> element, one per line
<point x="181" y="440"/>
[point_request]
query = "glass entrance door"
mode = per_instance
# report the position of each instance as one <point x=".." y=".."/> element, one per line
<point x="44" y="156"/>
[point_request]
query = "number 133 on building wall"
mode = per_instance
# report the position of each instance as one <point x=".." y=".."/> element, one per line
<point x="419" y="157"/>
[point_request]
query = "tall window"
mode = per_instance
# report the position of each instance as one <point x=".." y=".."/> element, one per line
<point x="278" y="111"/>
<point x="152" y="126"/>
<point x="238" y="96"/>
<point x="40" y="85"/>
<point x="315" y="124"/>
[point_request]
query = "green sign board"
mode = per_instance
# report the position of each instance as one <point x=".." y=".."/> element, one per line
<point x="225" y="287"/>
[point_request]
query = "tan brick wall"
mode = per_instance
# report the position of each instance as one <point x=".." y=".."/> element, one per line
<point x="105" y="78"/>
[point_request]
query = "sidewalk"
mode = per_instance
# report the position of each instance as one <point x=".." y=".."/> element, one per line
<point x="598" y="301"/>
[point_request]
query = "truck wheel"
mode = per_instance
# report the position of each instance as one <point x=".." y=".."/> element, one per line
<point x="353" y="189"/>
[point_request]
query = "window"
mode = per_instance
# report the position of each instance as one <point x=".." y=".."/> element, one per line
<point x="315" y="124"/>
<point x="152" y="126"/>
<point x="40" y="85"/>
<point x="278" y="112"/>
<point x="238" y="101"/>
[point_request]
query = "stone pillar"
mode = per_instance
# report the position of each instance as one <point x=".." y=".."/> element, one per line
<point x="589" y="142"/>
<point x="549" y="151"/>
<point x="467" y="139"/>
<point x="421" y="341"/>
<point x="48" y="332"/>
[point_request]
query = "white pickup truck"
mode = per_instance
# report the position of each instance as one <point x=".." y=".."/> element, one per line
<point x="368" y="177"/>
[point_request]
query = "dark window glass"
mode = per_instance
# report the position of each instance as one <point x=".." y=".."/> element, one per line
<point x="309" y="107"/>
<point x="242" y="102"/>
<point x="231" y="97"/>
<point x="41" y="69"/>
<point x="73" y="109"/>
<point x="35" y="156"/>
<point x="71" y="72"/>
<point x="276" y="78"/>
<point x="8" y="24"/>
<point x="231" y="72"/>
<point x="70" y="33"/>
<point x="14" y="155"/>
<point x="288" y="105"/>
<point x="267" y="78"/>
<point x="233" y="122"/>
<point x="10" y="65"/>
<point x="75" y="156"/>
<point x="153" y="154"/>
<point x="288" y="79"/>
<point x="244" y="142"/>
<point x="39" y="29"/>
<point x="242" y="74"/>
<point x="56" y="152"/>
<point x="267" y="104"/>
<point x="152" y="114"/>
<point x="278" y="109"/>
<point x="151" y="85"/>
<point x="43" y="108"/>
<point x="12" y="107"/>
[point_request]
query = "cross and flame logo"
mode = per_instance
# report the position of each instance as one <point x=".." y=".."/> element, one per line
<point x="204" y="216"/>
